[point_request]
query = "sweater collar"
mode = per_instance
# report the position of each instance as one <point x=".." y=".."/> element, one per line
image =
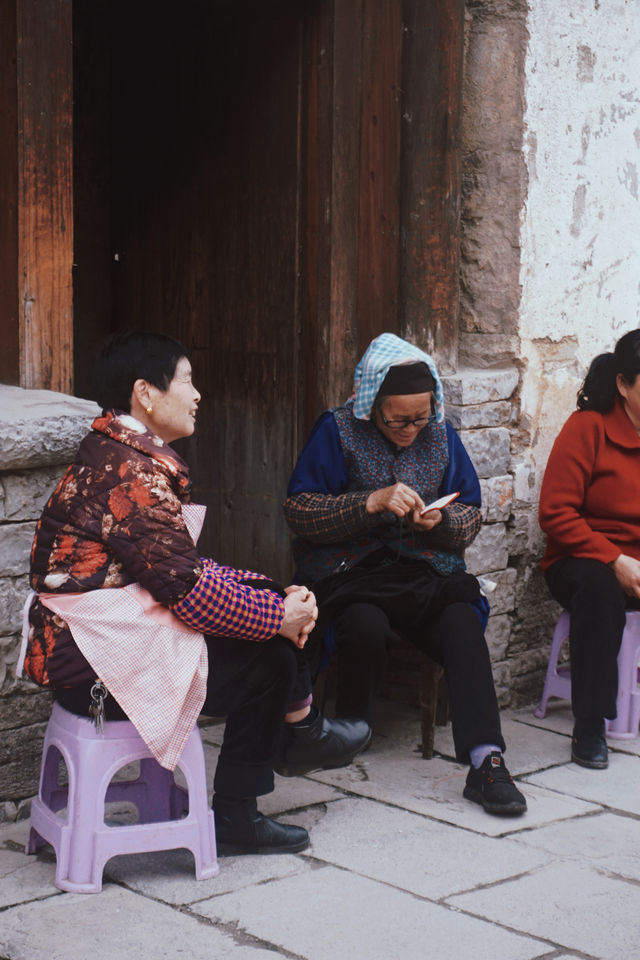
<point x="126" y="429"/>
<point x="619" y="428"/>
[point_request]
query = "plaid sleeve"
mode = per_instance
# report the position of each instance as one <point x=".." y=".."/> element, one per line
<point x="323" y="518"/>
<point x="220" y="605"/>
<point x="458" y="528"/>
<point x="232" y="573"/>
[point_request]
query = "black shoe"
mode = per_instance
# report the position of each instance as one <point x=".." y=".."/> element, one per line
<point x="241" y="829"/>
<point x="321" y="745"/>
<point x="492" y="786"/>
<point x="588" y="744"/>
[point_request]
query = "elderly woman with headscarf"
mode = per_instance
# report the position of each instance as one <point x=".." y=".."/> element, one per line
<point x="384" y="559"/>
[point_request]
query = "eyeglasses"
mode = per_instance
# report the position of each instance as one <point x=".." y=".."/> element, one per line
<point x="401" y="424"/>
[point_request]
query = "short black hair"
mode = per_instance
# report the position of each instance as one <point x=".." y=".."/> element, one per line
<point x="134" y="355"/>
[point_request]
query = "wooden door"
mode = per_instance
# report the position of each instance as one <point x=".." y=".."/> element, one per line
<point x="247" y="179"/>
<point x="188" y="162"/>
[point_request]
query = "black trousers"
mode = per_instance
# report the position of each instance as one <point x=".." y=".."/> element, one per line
<point x="590" y="591"/>
<point x="252" y="685"/>
<point x="453" y="638"/>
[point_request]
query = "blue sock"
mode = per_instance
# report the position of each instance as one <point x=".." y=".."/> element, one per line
<point x="483" y="750"/>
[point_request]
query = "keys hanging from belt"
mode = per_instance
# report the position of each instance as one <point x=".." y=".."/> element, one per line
<point x="99" y="694"/>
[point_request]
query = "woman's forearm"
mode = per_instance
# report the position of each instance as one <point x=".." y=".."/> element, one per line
<point x="458" y="528"/>
<point x="323" y="518"/>
<point x="219" y="605"/>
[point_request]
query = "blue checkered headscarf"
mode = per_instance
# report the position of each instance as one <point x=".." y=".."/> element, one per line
<point x="384" y="352"/>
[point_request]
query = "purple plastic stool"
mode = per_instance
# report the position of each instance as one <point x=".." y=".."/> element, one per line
<point x="558" y="680"/>
<point x="82" y="841"/>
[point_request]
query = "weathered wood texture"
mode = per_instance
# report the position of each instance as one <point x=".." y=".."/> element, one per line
<point x="315" y="240"/>
<point x="345" y="207"/>
<point x="379" y="251"/>
<point x="351" y="215"/>
<point x="92" y="147"/>
<point x="45" y="185"/>
<point x="389" y="222"/>
<point x="432" y="83"/>
<point x="9" y="324"/>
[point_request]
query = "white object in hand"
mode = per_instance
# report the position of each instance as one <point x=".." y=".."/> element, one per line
<point x="439" y="504"/>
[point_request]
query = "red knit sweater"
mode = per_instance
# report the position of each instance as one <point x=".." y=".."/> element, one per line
<point x="590" y="496"/>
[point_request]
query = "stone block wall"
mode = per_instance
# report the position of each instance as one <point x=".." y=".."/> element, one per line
<point x="501" y="429"/>
<point x="39" y="435"/>
<point x="482" y="404"/>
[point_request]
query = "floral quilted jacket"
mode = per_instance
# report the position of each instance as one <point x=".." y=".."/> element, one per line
<point x="115" y="518"/>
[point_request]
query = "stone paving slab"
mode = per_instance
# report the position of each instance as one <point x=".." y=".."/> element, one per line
<point x="24" y="878"/>
<point x="606" y="841"/>
<point x="330" y="914"/>
<point x="559" y="718"/>
<point x="529" y="748"/>
<point x="292" y="793"/>
<point x="434" y="788"/>
<point x="289" y="793"/>
<point x="169" y="876"/>
<point x="625" y="746"/>
<point x="212" y="731"/>
<point x="117" y="924"/>
<point x="414" y="853"/>
<point x="568" y="904"/>
<point x="616" y="787"/>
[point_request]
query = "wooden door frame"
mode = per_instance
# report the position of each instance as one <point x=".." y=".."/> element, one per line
<point x="36" y="192"/>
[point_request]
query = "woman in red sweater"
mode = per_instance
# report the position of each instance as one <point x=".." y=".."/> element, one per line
<point x="590" y="512"/>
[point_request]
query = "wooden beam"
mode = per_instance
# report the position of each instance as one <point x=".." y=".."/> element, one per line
<point x="45" y="193"/>
<point x="430" y="205"/>
<point x="316" y="113"/>
<point x="379" y="259"/>
<point x="345" y="196"/>
<point x="9" y="355"/>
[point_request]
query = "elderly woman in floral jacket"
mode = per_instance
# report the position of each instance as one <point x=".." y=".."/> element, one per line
<point x="383" y="548"/>
<point x="122" y="595"/>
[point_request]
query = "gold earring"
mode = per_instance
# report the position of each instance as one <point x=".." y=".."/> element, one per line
<point x="149" y="410"/>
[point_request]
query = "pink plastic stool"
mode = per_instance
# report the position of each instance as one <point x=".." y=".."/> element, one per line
<point x="558" y="680"/>
<point x="82" y="841"/>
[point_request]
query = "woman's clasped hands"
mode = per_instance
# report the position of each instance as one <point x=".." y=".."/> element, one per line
<point x="300" y="614"/>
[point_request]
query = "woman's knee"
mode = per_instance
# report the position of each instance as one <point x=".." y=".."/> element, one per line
<point x="456" y="631"/>
<point x="584" y="583"/>
<point x="278" y="661"/>
<point x="363" y="627"/>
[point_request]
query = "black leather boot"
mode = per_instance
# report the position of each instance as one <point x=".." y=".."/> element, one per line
<point x="241" y="829"/>
<point x="321" y="745"/>
<point x="588" y="744"/>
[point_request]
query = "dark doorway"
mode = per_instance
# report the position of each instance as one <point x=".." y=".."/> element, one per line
<point x="187" y="157"/>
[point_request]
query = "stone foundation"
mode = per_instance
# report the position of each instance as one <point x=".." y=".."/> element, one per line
<point x="483" y="405"/>
<point x="39" y="435"/>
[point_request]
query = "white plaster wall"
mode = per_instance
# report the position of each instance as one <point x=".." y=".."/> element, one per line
<point x="580" y="230"/>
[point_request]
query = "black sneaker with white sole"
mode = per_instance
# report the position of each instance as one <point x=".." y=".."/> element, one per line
<point x="492" y="786"/>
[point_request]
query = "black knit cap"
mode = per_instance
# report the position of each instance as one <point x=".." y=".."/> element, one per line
<point x="407" y="378"/>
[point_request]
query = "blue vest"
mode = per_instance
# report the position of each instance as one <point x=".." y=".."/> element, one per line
<point x="373" y="463"/>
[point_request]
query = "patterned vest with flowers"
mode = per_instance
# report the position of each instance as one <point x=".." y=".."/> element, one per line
<point x="373" y="463"/>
